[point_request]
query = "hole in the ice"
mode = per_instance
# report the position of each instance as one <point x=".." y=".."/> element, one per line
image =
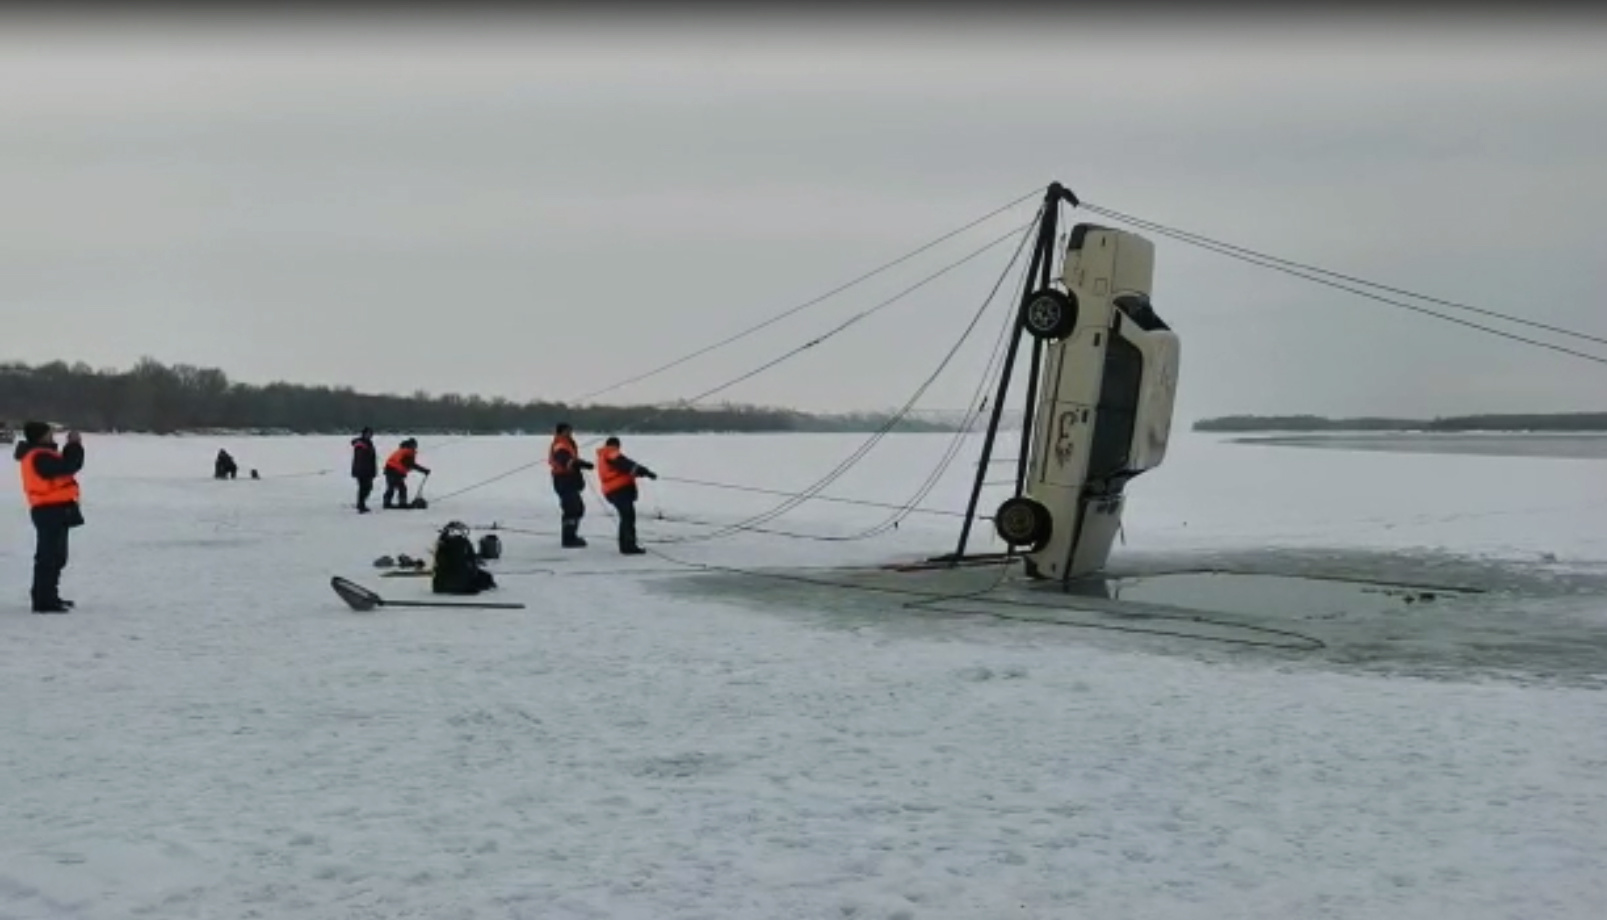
<point x="1271" y="595"/>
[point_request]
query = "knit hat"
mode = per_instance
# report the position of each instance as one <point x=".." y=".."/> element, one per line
<point x="35" y="432"/>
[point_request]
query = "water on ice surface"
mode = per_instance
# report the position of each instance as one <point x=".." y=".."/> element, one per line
<point x="212" y="734"/>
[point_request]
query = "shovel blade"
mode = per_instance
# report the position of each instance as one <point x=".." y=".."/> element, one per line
<point x="355" y="595"/>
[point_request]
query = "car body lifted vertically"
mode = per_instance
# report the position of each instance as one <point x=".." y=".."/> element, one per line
<point x="1098" y="413"/>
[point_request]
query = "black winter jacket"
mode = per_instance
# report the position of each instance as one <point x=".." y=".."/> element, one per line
<point x="365" y="463"/>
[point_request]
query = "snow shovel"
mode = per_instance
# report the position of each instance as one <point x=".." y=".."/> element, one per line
<point x="363" y="600"/>
<point x="418" y="503"/>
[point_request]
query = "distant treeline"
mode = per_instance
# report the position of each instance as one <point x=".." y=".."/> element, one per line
<point x="154" y="398"/>
<point x="1567" y="421"/>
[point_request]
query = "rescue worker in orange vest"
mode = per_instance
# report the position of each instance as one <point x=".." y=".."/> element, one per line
<point x="616" y="474"/>
<point x="50" y="483"/>
<point x="563" y="459"/>
<point x="403" y="460"/>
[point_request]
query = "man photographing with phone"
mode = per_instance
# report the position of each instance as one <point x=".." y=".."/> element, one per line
<point x="50" y="483"/>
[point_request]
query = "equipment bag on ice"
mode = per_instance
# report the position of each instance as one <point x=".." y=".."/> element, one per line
<point x="457" y="566"/>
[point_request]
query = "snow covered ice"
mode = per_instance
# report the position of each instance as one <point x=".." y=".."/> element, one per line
<point x="212" y="734"/>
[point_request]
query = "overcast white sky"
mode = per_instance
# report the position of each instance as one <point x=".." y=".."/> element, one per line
<point x="537" y="208"/>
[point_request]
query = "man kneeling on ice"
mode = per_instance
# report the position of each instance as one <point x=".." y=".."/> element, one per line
<point x="457" y="567"/>
<point x="617" y="474"/>
<point x="224" y="466"/>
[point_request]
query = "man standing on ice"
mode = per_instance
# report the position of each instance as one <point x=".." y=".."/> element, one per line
<point x="50" y="483"/>
<point x="616" y="474"/>
<point x="365" y="467"/>
<point x="563" y="459"/>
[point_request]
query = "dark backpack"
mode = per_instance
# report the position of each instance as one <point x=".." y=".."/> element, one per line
<point x="457" y="566"/>
<point x="490" y="547"/>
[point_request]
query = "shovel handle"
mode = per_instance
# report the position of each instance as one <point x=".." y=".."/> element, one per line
<point x="468" y="606"/>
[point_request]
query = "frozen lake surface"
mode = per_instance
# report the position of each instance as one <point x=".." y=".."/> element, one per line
<point x="1536" y="444"/>
<point x="768" y="724"/>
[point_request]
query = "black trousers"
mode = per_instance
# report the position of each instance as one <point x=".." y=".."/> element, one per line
<point x="395" y="485"/>
<point x="573" y="508"/>
<point x="626" y="506"/>
<point x="365" y="488"/>
<point x="49" y="557"/>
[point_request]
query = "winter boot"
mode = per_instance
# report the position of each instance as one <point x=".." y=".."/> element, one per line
<point x="571" y="536"/>
<point x="46" y="594"/>
<point x="50" y="605"/>
<point x="632" y="550"/>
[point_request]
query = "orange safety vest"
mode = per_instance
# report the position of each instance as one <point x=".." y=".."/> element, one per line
<point x="567" y="443"/>
<point x="45" y="490"/>
<point x="610" y="479"/>
<point x="400" y="458"/>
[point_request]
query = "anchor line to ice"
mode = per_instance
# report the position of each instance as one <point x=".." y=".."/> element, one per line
<point x="850" y="321"/>
<point x="757" y="490"/>
<point x="798" y="308"/>
<point x="677" y="520"/>
<point x="813" y="301"/>
<point x="797" y="350"/>
<point x="1315" y="275"/>
<point x="977" y="406"/>
<point x="902" y="511"/>
<point x="979" y="396"/>
<point x="1179" y="234"/>
<point x="886" y="428"/>
<point x="828" y="499"/>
